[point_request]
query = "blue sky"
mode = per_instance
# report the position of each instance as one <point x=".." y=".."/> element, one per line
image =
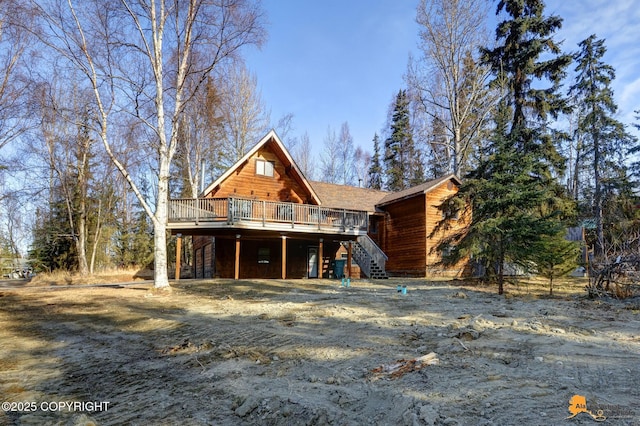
<point x="331" y="61"/>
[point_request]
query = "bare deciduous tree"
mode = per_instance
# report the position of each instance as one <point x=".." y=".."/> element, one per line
<point x="137" y="57"/>
<point x="302" y="154"/>
<point x="330" y="164"/>
<point x="361" y="165"/>
<point x="285" y="128"/>
<point x="68" y="147"/>
<point x="246" y="119"/>
<point x="13" y="43"/>
<point x="201" y="133"/>
<point x="345" y="153"/>
<point x="448" y="82"/>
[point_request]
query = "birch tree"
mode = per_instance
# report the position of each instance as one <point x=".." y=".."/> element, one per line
<point x="302" y="154"/>
<point x="13" y="44"/>
<point x="346" y="155"/>
<point x="362" y="165"/>
<point x="246" y="119"/>
<point x="65" y="148"/>
<point x="447" y="79"/>
<point x="330" y="162"/>
<point x="199" y="152"/>
<point x="137" y="57"/>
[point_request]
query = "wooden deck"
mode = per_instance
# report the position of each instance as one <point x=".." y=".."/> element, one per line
<point x="233" y="212"/>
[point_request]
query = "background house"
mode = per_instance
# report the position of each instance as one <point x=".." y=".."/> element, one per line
<point x="263" y="219"/>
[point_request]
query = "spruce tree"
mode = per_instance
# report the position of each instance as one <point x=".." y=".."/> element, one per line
<point x="555" y="256"/>
<point x="604" y="138"/>
<point x="403" y="163"/>
<point x="375" y="171"/>
<point x="513" y="194"/>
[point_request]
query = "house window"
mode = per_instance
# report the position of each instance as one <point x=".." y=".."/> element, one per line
<point x="264" y="255"/>
<point x="264" y="168"/>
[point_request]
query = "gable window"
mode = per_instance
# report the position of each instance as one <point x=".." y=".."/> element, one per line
<point x="264" y="168"/>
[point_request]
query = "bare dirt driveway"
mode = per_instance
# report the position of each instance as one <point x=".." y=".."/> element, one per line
<point x="275" y="352"/>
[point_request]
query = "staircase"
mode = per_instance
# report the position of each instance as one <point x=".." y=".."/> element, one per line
<point x="368" y="256"/>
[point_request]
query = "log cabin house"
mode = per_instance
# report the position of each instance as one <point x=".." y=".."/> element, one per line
<point x="263" y="219"/>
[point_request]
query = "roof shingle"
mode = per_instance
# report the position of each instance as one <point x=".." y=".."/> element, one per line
<point x="347" y="197"/>
<point x="415" y="190"/>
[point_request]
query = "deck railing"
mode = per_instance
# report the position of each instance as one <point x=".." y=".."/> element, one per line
<point x="233" y="210"/>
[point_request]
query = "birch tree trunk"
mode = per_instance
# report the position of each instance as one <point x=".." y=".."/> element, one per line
<point x="147" y="59"/>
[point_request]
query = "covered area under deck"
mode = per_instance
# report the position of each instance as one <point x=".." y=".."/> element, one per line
<point x="247" y="253"/>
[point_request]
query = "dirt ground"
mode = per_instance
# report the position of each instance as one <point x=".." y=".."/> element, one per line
<point x="273" y="352"/>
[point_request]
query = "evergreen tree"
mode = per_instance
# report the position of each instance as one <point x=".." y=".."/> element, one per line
<point x="403" y="163"/>
<point x="52" y="247"/>
<point x="604" y="139"/>
<point x="514" y="196"/>
<point x="416" y="162"/>
<point x="375" y="171"/>
<point x="555" y="256"/>
<point x="134" y="243"/>
<point x="134" y="236"/>
<point x="439" y="158"/>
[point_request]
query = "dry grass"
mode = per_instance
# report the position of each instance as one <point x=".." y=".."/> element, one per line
<point x="538" y="287"/>
<point x="532" y="287"/>
<point x="102" y="277"/>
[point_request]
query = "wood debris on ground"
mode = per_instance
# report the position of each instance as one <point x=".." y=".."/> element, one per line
<point x="403" y="366"/>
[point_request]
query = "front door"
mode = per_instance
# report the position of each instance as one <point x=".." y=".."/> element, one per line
<point x="312" y="262"/>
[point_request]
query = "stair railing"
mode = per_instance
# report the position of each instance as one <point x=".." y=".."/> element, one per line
<point x="376" y="253"/>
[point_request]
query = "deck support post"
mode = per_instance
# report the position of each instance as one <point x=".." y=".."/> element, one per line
<point x="320" y="258"/>
<point x="284" y="257"/>
<point x="237" y="268"/>
<point x="349" y="255"/>
<point x="178" y="255"/>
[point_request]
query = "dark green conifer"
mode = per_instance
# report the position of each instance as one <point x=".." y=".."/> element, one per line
<point x="514" y="196"/>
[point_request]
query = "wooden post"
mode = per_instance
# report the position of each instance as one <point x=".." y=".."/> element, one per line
<point x="349" y="253"/>
<point x="237" y="270"/>
<point x="178" y="255"/>
<point x="284" y="257"/>
<point x="320" y="258"/>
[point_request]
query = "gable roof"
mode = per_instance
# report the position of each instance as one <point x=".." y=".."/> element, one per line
<point x="348" y="197"/>
<point x="281" y="152"/>
<point x="417" y="190"/>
